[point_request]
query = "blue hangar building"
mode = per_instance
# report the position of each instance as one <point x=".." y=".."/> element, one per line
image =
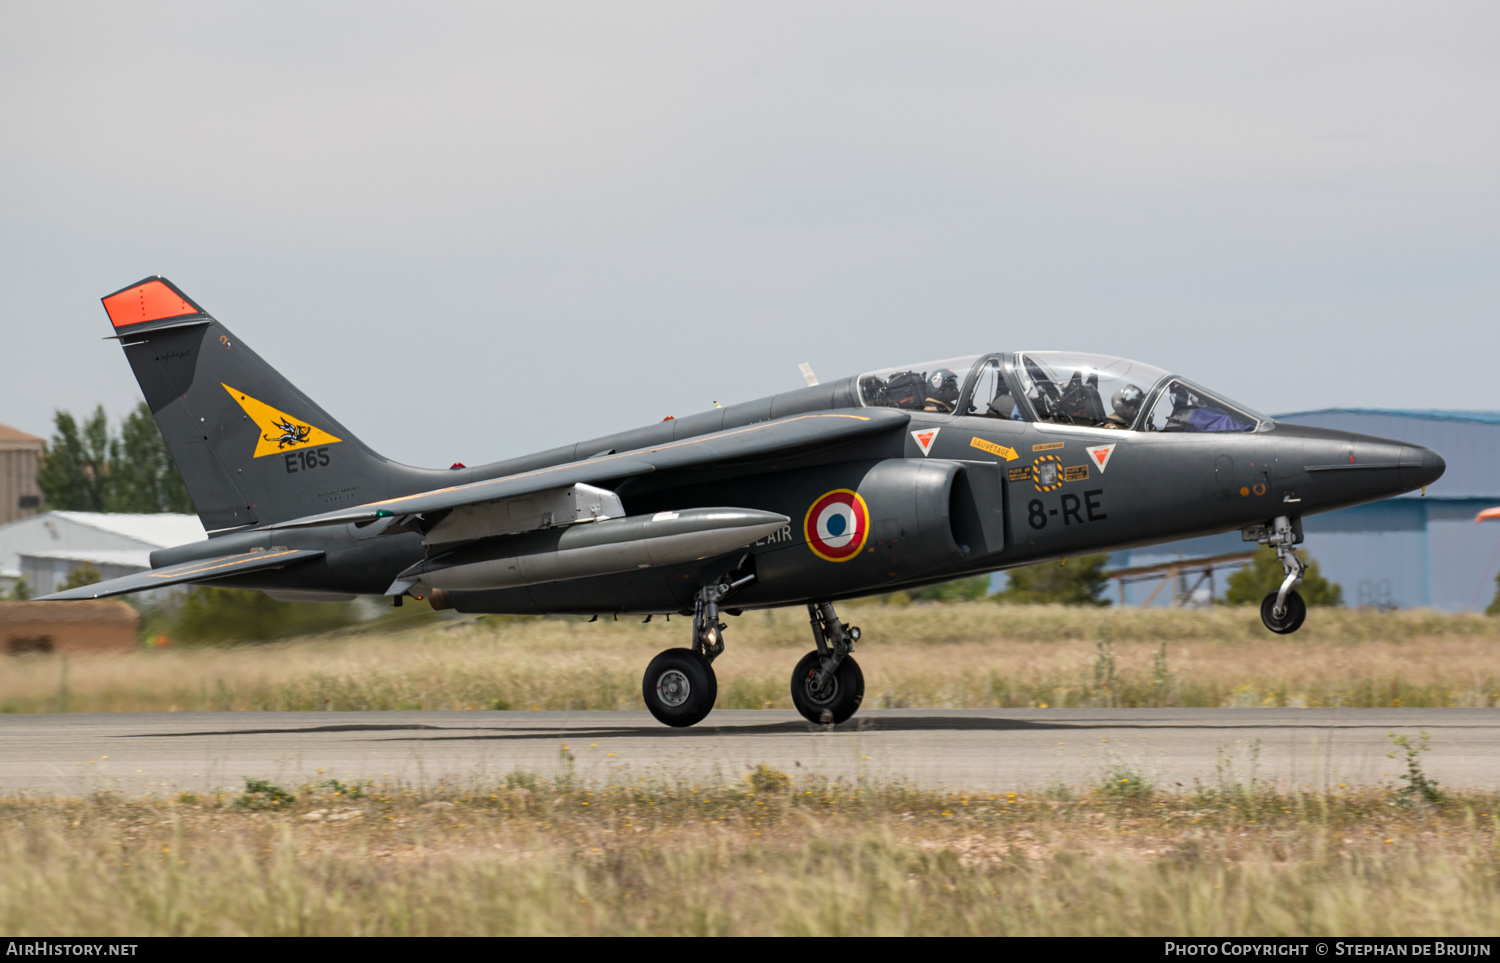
<point x="1412" y="551"/>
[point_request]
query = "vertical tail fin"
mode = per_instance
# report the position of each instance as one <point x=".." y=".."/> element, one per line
<point x="251" y="447"/>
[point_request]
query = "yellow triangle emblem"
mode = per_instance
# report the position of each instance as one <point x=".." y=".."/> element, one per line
<point x="279" y="431"/>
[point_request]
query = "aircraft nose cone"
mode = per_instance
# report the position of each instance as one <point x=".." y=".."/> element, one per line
<point x="1420" y="466"/>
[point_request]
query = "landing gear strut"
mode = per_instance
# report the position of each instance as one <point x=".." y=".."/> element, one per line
<point x="1283" y="611"/>
<point x="679" y="686"/>
<point x="827" y="685"/>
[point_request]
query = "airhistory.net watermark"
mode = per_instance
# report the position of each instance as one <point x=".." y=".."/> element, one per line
<point x="67" y="948"/>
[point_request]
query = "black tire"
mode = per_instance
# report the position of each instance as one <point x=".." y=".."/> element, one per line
<point x="680" y="688"/>
<point x="846" y="690"/>
<point x="1291" y="620"/>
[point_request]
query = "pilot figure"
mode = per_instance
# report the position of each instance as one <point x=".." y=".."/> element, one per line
<point x="1127" y="404"/>
<point x="942" y="390"/>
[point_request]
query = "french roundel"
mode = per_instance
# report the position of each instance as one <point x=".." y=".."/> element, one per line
<point x="837" y="525"/>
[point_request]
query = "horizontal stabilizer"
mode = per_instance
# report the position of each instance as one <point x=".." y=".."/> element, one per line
<point x="198" y="571"/>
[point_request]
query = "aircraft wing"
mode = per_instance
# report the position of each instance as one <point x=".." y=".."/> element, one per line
<point x="736" y="444"/>
<point x="204" y="569"/>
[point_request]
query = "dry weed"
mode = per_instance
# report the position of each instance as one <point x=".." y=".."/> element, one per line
<point x="530" y="857"/>
<point x="970" y="655"/>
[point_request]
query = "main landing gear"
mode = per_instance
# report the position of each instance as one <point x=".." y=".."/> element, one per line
<point x="1283" y="611"/>
<point x="680" y="686"/>
<point x="827" y="686"/>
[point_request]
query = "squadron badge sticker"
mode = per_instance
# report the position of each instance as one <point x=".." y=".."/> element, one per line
<point x="279" y="431"/>
<point x="1046" y="473"/>
<point x="837" y="525"/>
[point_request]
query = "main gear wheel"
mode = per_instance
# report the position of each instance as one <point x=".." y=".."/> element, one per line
<point x="680" y="687"/>
<point x="836" y="699"/>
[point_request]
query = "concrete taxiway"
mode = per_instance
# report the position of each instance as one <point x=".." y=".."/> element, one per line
<point x="140" y="753"/>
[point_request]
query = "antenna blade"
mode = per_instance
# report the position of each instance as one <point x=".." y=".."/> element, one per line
<point x="807" y="374"/>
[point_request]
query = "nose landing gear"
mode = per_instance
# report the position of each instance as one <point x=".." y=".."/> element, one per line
<point x="1284" y="611"/>
<point x="827" y="684"/>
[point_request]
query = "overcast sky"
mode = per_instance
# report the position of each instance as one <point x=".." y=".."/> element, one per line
<point x="474" y="230"/>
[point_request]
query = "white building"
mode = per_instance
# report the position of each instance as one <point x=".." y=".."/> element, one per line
<point x="44" y="549"/>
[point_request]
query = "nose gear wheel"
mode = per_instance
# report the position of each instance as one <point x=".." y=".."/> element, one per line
<point x="1293" y="612"/>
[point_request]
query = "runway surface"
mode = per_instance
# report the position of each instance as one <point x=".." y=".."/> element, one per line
<point x="140" y="753"/>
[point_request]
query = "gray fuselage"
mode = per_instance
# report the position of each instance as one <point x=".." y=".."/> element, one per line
<point x="987" y="494"/>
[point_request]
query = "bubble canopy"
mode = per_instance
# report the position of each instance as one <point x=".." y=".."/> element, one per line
<point x="1059" y="387"/>
<point x="929" y="386"/>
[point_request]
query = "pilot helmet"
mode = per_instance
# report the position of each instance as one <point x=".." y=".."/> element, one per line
<point x="942" y="385"/>
<point x="1127" y="401"/>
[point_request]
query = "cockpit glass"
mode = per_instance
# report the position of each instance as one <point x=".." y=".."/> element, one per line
<point x="1096" y="391"/>
<point x="1183" y="406"/>
<point x="932" y="386"/>
<point x="991" y="396"/>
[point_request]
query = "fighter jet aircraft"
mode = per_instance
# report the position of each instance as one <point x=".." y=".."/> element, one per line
<point x="888" y="479"/>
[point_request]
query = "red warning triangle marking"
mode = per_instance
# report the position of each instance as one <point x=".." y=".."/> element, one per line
<point x="924" y="438"/>
<point x="1101" y="455"/>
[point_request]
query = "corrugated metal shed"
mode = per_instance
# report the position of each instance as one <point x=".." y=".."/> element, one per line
<point x="75" y="532"/>
<point x="47" y="572"/>
<point x="158" y="531"/>
<point x="1412" y="551"/>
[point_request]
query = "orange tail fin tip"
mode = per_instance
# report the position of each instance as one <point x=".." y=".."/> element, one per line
<point x="150" y="300"/>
